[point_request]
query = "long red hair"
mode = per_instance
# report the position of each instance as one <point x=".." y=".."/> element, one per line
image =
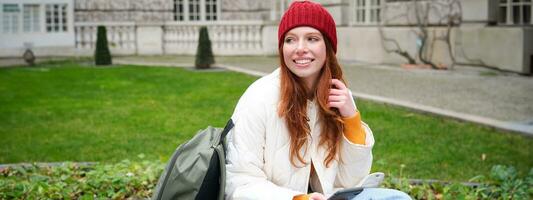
<point x="293" y="107"/>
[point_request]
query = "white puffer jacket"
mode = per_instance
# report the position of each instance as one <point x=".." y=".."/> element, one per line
<point x="258" y="162"/>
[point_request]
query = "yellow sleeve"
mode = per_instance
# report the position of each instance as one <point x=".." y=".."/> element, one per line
<point x="353" y="129"/>
<point x="301" y="197"/>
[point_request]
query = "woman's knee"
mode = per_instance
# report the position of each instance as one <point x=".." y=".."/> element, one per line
<point x="382" y="194"/>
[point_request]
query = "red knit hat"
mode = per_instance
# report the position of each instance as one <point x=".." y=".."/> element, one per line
<point x="307" y="13"/>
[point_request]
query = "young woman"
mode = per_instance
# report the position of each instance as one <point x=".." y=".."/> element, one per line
<point x="298" y="133"/>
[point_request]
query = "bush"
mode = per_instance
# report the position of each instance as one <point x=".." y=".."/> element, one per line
<point x="71" y="181"/>
<point x="502" y="183"/>
<point x="136" y="180"/>
<point x="204" y="54"/>
<point x="102" y="55"/>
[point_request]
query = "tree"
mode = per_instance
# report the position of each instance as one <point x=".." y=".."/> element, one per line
<point x="427" y="14"/>
<point x="204" y="54"/>
<point x="102" y="55"/>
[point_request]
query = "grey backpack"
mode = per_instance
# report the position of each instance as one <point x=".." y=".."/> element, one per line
<point x="197" y="168"/>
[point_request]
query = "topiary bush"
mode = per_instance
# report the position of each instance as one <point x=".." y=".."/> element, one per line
<point x="204" y="53"/>
<point x="102" y="55"/>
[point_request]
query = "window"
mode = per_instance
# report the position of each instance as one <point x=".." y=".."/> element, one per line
<point x="31" y="18"/>
<point x="56" y="17"/>
<point x="515" y="12"/>
<point x="178" y="10"/>
<point x="278" y="8"/>
<point x="10" y="21"/>
<point x="194" y="10"/>
<point x="366" y="11"/>
<point x="210" y="10"/>
<point x="360" y="9"/>
<point x="375" y="10"/>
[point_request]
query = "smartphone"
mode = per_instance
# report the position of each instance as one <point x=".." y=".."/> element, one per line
<point x="346" y="194"/>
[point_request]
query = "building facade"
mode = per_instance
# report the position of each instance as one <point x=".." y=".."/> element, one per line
<point x="494" y="33"/>
<point x="35" y="24"/>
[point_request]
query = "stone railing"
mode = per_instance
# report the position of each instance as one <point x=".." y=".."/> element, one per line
<point x="121" y="36"/>
<point x="227" y="37"/>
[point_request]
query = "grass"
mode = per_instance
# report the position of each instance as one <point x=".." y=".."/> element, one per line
<point x="436" y="147"/>
<point x="488" y="73"/>
<point x="64" y="111"/>
<point x="67" y="112"/>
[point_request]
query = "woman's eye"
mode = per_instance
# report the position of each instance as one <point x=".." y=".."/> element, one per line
<point x="288" y="40"/>
<point x="313" y="39"/>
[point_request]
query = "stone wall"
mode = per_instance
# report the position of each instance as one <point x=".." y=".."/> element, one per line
<point x="501" y="47"/>
<point x="123" y="10"/>
<point x="405" y="13"/>
<point x="162" y="10"/>
<point x="245" y="10"/>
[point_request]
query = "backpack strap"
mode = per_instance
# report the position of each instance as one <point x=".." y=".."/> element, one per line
<point x="226" y="130"/>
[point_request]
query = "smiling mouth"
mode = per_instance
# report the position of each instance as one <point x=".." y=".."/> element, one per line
<point x="303" y="61"/>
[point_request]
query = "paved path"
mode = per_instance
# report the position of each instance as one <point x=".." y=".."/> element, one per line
<point x="501" y="100"/>
<point x="495" y="99"/>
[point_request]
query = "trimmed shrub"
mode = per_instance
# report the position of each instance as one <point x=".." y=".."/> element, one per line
<point x="204" y="54"/>
<point x="102" y="55"/>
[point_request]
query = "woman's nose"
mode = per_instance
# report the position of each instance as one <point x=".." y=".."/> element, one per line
<point x="302" y="47"/>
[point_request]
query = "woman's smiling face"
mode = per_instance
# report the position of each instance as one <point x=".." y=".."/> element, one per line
<point x="304" y="53"/>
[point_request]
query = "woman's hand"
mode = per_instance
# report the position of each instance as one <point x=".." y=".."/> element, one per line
<point x="317" y="196"/>
<point x="339" y="97"/>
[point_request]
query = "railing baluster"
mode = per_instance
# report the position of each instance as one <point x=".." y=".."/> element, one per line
<point x="227" y="37"/>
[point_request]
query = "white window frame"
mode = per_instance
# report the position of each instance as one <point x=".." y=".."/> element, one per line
<point x="508" y="18"/>
<point x="31" y="18"/>
<point x="360" y="10"/>
<point x="278" y="8"/>
<point x="375" y="11"/>
<point x="366" y="12"/>
<point x="196" y="10"/>
<point x="211" y="13"/>
<point x="57" y="11"/>
<point x="179" y="16"/>
<point x="11" y="21"/>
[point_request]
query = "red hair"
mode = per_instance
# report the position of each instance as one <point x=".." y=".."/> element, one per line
<point x="293" y="107"/>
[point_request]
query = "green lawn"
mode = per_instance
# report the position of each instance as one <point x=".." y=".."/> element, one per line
<point x="64" y="111"/>
<point x="68" y="112"/>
